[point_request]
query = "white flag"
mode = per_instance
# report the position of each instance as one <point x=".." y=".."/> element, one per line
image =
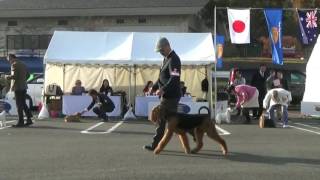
<point x="239" y="25"/>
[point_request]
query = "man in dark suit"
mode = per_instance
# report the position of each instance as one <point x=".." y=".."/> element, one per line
<point x="259" y="80"/>
<point x="19" y="86"/>
<point x="103" y="104"/>
<point x="169" y="87"/>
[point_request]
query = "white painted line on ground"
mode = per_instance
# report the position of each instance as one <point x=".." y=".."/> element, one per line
<point x="306" y="125"/>
<point x="302" y="129"/>
<point x="224" y="132"/>
<point x="87" y="131"/>
<point x="7" y="126"/>
<point x="115" y="127"/>
<point x="92" y="127"/>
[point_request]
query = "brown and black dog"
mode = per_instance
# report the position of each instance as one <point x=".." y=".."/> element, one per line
<point x="182" y="123"/>
<point x="73" y="118"/>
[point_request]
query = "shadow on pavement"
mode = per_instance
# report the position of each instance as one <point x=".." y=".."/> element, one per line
<point x="243" y="157"/>
<point x="53" y="128"/>
<point x="134" y="133"/>
<point x="253" y="158"/>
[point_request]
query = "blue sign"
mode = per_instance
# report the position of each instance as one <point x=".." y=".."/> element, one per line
<point x="182" y="108"/>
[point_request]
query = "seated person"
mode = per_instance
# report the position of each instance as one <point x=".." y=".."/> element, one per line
<point x="103" y="105"/>
<point x="205" y="87"/>
<point x="183" y="88"/>
<point x="78" y="89"/>
<point x="147" y="90"/>
<point x="105" y="88"/>
<point x="278" y="97"/>
<point x="238" y="79"/>
<point x="247" y="98"/>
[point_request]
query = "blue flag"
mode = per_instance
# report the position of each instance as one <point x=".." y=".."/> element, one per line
<point x="308" y="26"/>
<point x="274" y="23"/>
<point x="220" y="44"/>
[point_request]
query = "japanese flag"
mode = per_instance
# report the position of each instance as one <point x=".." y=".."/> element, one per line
<point x="239" y="25"/>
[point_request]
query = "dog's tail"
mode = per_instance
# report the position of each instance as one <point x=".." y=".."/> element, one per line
<point x="204" y="107"/>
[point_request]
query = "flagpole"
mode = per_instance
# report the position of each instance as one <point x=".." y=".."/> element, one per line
<point x="215" y="66"/>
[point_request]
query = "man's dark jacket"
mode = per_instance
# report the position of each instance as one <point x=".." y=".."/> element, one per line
<point x="169" y="78"/>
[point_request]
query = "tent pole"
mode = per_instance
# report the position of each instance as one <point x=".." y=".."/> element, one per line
<point x="63" y="81"/>
<point x="129" y="103"/>
<point x="209" y="96"/>
<point x="135" y="82"/>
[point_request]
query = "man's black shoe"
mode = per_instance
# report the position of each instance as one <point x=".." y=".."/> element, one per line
<point x="18" y="126"/>
<point x="148" y="147"/>
<point x="28" y="123"/>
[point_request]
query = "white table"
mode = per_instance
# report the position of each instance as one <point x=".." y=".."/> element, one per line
<point x="192" y="107"/>
<point x="72" y="104"/>
<point x="141" y="103"/>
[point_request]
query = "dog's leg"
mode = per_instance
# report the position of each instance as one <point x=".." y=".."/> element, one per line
<point x="164" y="141"/>
<point x="199" y="140"/>
<point x="184" y="142"/>
<point x="213" y="134"/>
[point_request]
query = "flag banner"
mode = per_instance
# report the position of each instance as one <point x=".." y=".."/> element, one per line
<point x="220" y="44"/>
<point x="239" y="25"/>
<point x="308" y="26"/>
<point x="274" y="23"/>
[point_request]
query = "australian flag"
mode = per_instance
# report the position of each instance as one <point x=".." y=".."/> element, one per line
<point x="308" y="26"/>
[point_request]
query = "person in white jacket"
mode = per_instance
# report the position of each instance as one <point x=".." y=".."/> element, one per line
<point x="278" y="97"/>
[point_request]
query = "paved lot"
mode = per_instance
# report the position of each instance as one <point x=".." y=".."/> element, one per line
<point x="52" y="150"/>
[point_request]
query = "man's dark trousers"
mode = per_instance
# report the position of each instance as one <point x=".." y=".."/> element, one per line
<point x="167" y="106"/>
<point x="20" y="96"/>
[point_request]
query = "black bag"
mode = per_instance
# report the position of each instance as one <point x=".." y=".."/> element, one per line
<point x="265" y="121"/>
<point x="109" y="105"/>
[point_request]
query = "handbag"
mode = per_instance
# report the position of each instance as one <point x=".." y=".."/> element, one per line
<point x="265" y="121"/>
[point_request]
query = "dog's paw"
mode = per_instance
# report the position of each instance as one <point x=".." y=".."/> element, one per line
<point x="156" y="151"/>
<point x="194" y="151"/>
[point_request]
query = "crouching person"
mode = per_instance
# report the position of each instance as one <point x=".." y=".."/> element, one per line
<point x="275" y="98"/>
<point x="247" y="98"/>
<point x="101" y="104"/>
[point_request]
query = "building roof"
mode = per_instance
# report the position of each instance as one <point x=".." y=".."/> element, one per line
<point x="56" y="8"/>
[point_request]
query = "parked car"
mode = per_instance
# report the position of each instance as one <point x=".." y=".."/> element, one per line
<point x="35" y="89"/>
<point x="295" y="79"/>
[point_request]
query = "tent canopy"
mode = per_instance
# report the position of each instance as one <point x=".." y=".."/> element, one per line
<point x="73" y="47"/>
<point x="312" y="86"/>
<point x="310" y="104"/>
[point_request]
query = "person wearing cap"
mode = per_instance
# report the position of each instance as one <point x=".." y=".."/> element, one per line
<point x="168" y="85"/>
<point x="19" y="86"/>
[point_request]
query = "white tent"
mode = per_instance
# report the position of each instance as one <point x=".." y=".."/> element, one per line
<point x="94" y="56"/>
<point x="310" y="104"/>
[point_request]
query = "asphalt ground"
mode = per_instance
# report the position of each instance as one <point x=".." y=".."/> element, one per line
<point x="52" y="150"/>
